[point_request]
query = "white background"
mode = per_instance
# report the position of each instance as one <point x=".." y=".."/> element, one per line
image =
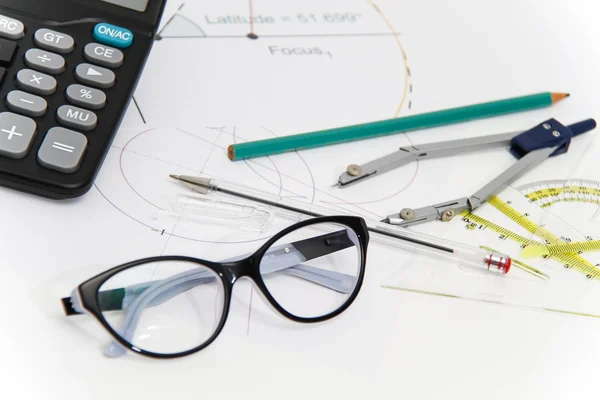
<point x="388" y="344"/>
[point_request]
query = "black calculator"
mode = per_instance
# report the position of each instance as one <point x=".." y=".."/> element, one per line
<point x="68" y="69"/>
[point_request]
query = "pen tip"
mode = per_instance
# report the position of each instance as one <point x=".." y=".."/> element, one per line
<point x="176" y="177"/>
<point x="335" y="185"/>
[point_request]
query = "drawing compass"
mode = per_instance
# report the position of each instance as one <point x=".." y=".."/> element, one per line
<point x="531" y="147"/>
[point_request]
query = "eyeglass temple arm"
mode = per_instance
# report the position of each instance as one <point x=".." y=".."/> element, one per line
<point x="285" y="258"/>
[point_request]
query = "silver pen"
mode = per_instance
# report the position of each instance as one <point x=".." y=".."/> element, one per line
<point x="382" y="233"/>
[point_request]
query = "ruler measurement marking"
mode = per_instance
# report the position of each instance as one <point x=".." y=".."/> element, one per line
<point x="572" y="260"/>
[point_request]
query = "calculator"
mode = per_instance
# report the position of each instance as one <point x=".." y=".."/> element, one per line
<point x="68" y="69"/>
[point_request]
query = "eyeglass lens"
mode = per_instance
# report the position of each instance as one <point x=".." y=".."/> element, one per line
<point x="325" y="262"/>
<point x="167" y="307"/>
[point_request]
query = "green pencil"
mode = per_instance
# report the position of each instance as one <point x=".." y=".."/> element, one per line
<point x="259" y="148"/>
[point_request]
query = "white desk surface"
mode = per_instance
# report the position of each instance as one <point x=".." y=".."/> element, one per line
<point x="389" y="344"/>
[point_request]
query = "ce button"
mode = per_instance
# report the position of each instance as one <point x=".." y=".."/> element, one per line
<point x="103" y="55"/>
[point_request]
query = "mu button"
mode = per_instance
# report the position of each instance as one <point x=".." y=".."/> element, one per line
<point x="77" y="118"/>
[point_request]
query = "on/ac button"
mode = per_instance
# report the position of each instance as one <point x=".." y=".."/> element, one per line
<point x="113" y="35"/>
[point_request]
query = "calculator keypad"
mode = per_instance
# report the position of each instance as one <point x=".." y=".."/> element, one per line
<point x="55" y="84"/>
<point x="62" y="149"/>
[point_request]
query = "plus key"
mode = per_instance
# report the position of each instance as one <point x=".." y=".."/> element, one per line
<point x="16" y="135"/>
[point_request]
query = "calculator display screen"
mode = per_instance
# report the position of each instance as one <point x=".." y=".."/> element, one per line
<point x="137" y="5"/>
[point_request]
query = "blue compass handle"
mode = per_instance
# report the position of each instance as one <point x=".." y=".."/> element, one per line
<point x="582" y="126"/>
<point x="550" y="133"/>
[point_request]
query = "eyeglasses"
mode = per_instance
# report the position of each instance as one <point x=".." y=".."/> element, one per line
<point x="172" y="306"/>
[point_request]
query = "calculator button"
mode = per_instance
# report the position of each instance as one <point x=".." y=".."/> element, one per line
<point x="113" y="35"/>
<point x="77" y="118"/>
<point x="55" y="41"/>
<point x="45" y="61"/>
<point x="7" y="51"/>
<point x="16" y="134"/>
<point x="62" y="150"/>
<point x="11" y="28"/>
<point x="103" y="55"/>
<point x="95" y="76"/>
<point x="86" y="97"/>
<point x="36" y="82"/>
<point x="26" y="103"/>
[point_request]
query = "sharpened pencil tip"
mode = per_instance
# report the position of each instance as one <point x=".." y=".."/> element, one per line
<point x="335" y="185"/>
<point x="385" y="220"/>
<point x="556" y="97"/>
<point x="176" y="177"/>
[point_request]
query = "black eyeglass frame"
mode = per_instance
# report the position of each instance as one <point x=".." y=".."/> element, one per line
<point x="229" y="272"/>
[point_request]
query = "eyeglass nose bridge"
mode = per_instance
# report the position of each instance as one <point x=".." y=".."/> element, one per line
<point x="237" y="269"/>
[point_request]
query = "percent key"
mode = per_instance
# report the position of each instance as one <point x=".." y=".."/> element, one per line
<point x="86" y="97"/>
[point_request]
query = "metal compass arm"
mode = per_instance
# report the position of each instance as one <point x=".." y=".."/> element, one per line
<point x="408" y="154"/>
<point x="532" y="147"/>
<point x="449" y="209"/>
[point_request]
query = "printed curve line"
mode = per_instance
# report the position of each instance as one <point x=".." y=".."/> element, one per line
<point x="312" y="178"/>
<point x="275" y="169"/>
<point x="137" y="221"/>
<point x="171" y="21"/>
<point x="132" y="218"/>
<point x="408" y="88"/>
<point x="170" y="234"/>
<point x="235" y="139"/>
<point x="341" y="201"/>
<point x="412" y="179"/>
<point x="212" y="149"/>
<point x="213" y="144"/>
<point x="123" y="172"/>
<point x="124" y="149"/>
<point x="223" y="130"/>
<point x="137" y="153"/>
<point x="407" y="70"/>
